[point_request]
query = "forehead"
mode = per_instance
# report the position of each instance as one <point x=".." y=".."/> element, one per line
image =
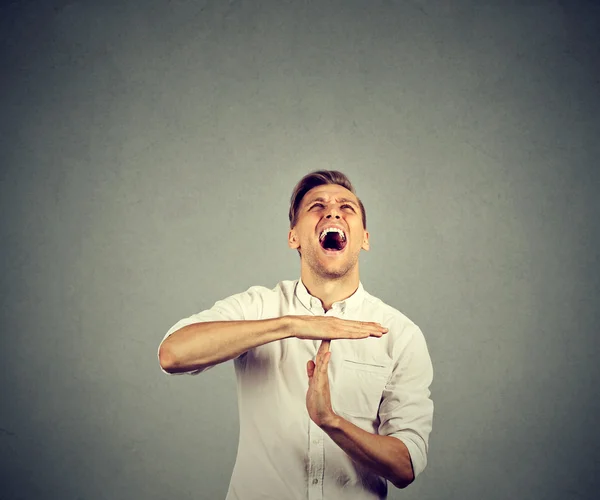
<point x="329" y="192"/>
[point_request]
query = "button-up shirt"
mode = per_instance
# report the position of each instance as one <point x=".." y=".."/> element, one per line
<point x="379" y="384"/>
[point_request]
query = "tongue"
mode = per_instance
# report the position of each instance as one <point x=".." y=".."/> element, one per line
<point x="333" y="241"/>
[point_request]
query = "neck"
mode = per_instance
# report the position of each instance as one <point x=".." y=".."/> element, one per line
<point x="330" y="290"/>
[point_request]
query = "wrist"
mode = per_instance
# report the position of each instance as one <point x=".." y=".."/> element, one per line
<point x="331" y="422"/>
<point x="286" y="327"/>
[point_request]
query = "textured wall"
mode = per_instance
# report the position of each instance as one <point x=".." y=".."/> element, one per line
<point x="148" y="151"/>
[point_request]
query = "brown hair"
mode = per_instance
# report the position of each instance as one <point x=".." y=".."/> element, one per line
<point x="318" y="178"/>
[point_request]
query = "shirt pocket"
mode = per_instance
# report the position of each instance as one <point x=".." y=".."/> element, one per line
<point x="360" y="387"/>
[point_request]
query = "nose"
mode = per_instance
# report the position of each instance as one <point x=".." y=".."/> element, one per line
<point x="331" y="215"/>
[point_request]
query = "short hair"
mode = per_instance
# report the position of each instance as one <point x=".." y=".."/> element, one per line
<point x="319" y="178"/>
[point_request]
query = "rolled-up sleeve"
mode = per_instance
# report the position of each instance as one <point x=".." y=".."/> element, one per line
<point x="238" y="307"/>
<point x="406" y="410"/>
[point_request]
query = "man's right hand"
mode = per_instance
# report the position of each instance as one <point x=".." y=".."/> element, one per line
<point x="329" y="327"/>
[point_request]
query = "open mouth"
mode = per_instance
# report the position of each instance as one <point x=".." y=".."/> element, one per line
<point x="333" y="239"/>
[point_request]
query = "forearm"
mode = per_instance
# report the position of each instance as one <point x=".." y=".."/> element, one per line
<point x="387" y="456"/>
<point x="201" y="345"/>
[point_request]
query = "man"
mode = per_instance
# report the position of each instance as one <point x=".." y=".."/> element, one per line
<point x="318" y="419"/>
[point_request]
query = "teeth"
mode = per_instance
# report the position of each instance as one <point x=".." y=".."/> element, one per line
<point x="332" y="230"/>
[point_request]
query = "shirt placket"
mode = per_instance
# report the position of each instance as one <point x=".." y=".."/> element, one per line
<point x="316" y="442"/>
<point x="316" y="455"/>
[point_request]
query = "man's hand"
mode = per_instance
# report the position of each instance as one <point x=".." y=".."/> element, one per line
<point x="318" y="397"/>
<point x="329" y="328"/>
<point x="386" y="456"/>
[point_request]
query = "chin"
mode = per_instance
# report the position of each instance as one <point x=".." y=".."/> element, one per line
<point x="332" y="274"/>
<point x="336" y="270"/>
<point x="331" y="267"/>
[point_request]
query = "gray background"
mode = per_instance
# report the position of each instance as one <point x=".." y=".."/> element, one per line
<point x="148" y="152"/>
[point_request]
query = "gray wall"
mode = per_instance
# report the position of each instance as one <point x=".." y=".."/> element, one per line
<point x="148" y="151"/>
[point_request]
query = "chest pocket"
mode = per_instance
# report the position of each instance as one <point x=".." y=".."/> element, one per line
<point x="359" y="388"/>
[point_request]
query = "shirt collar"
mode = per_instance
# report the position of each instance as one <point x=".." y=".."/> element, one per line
<point x="309" y="301"/>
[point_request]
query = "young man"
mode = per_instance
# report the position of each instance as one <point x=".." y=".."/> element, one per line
<point x="333" y="384"/>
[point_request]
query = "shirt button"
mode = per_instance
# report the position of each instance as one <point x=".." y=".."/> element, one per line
<point x="315" y="481"/>
<point x="315" y="441"/>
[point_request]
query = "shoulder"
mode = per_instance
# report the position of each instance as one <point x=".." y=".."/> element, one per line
<point x="260" y="293"/>
<point x="390" y="314"/>
<point x="405" y="336"/>
<point x="259" y="301"/>
<point x="282" y="288"/>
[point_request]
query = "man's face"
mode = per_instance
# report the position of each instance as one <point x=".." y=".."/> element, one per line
<point x="329" y="254"/>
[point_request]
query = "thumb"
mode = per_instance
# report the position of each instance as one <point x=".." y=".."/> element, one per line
<point x="310" y="368"/>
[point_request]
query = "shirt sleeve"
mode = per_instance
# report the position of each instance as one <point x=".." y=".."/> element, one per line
<point x="238" y="307"/>
<point x="406" y="410"/>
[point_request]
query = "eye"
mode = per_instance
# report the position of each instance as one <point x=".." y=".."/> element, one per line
<point x="317" y="205"/>
<point x="348" y="206"/>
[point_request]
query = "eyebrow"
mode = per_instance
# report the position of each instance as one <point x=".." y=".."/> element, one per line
<point x="341" y="200"/>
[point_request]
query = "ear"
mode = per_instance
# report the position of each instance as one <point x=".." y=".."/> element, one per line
<point x="365" y="244"/>
<point x="293" y="239"/>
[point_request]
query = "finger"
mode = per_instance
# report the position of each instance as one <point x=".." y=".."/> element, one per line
<point x="310" y="368"/>
<point x="360" y="325"/>
<point x="363" y="329"/>
<point x="372" y="327"/>
<point x="325" y="363"/>
<point x="323" y="348"/>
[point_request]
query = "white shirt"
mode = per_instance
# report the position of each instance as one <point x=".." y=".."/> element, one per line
<point x="379" y="384"/>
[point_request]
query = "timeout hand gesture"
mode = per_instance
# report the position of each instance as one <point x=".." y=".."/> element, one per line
<point x="318" y="396"/>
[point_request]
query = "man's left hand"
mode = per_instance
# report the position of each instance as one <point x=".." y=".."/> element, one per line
<point x="318" y="397"/>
